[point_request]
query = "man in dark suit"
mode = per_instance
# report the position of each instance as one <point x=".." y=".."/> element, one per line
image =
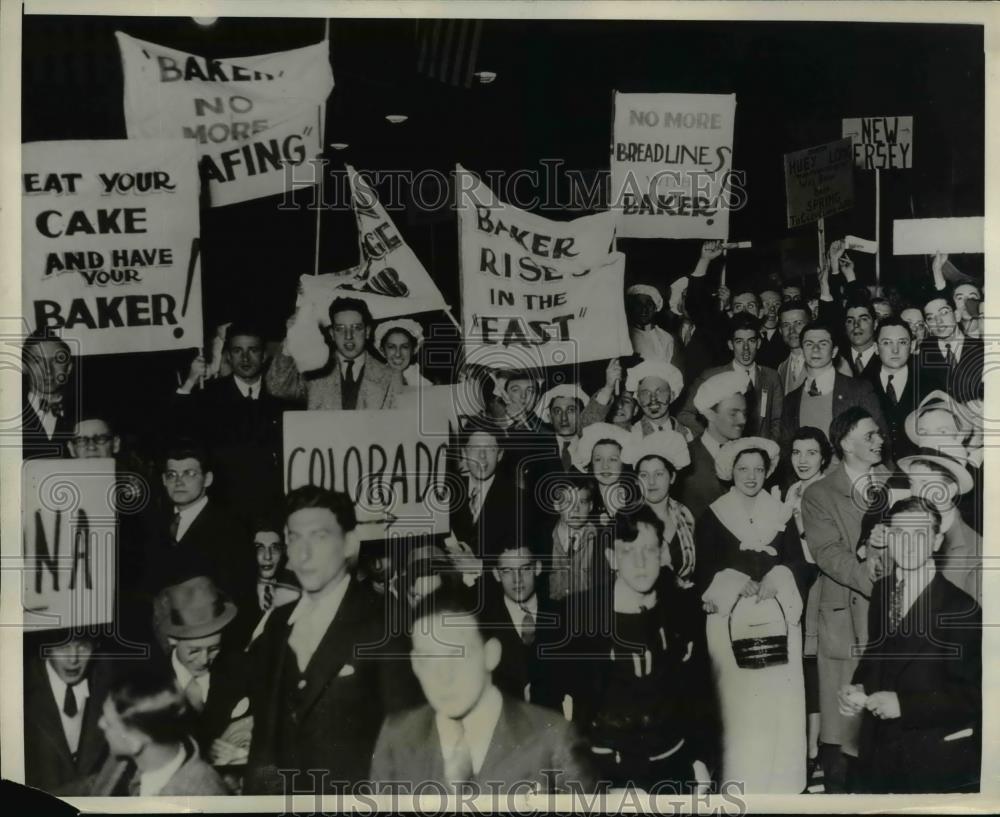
<point x="326" y="669"/>
<point x="470" y="735"/>
<point x="346" y="377"/>
<point x="764" y="393"/>
<point x="486" y="514"/>
<point x="200" y="537"/>
<point x="898" y="383"/>
<point x="721" y="402"/>
<point x="919" y="681"/>
<point x="825" y="392"/>
<point x="64" y="691"/>
<point x="859" y="328"/>
<point x="949" y="357"/>
<point x="48" y="403"/>
<point x="773" y="348"/>
<point x="239" y="419"/>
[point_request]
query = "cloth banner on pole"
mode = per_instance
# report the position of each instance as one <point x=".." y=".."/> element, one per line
<point x="250" y="116"/>
<point x="393" y="468"/>
<point x="671" y="164"/>
<point x="69" y="531"/>
<point x="532" y="286"/>
<point x="110" y="243"/>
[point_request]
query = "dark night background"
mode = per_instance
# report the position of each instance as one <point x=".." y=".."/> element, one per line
<point x="794" y="82"/>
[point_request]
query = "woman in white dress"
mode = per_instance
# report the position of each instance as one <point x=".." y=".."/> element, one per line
<point x="746" y="548"/>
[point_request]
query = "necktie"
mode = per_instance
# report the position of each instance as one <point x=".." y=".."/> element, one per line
<point x="194" y="695"/>
<point x="350" y="372"/>
<point x="813" y="389"/>
<point x="896" y="604"/>
<point x="751" y="398"/>
<point x="54" y="407"/>
<point x="474" y="501"/>
<point x="69" y="703"/>
<point x="949" y="355"/>
<point x="858" y="365"/>
<point x="249" y="392"/>
<point x="567" y="460"/>
<point x="458" y="763"/>
<point x="268" y="596"/>
<point x="528" y="628"/>
<point x="175" y="525"/>
<point x="890" y="391"/>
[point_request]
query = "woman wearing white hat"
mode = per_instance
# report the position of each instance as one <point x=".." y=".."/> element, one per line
<point x="399" y="341"/>
<point x="744" y="543"/>
<point x="657" y="459"/>
<point x="599" y="452"/>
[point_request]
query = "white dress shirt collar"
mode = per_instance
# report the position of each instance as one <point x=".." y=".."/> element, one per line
<point x="899" y="379"/>
<point x="188" y="515"/>
<point x="153" y="782"/>
<point x="184" y="676"/>
<point x="627" y="600"/>
<point x="72" y="727"/>
<point x="866" y="355"/>
<point x="359" y="364"/>
<point x="956" y="341"/>
<point x="311" y="618"/>
<point x="517" y="611"/>
<point x="711" y="444"/>
<point x="824" y="379"/>
<point x="478" y="727"/>
<point x="46" y="418"/>
<point x="483" y="488"/>
<point x="245" y="387"/>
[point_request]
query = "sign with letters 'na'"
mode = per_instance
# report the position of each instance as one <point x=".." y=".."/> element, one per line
<point x="110" y="243"/>
<point x="819" y="181"/>
<point x="881" y="142"/>
<point x="69" y="534"/>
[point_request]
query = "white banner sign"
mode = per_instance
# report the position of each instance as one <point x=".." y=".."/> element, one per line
<point x="929" y="236"/>
<point x="881" y="142"/>
<point x="110" y="243"/>
<point x="391" y="463"/>
<point x="250" y="116"/>
<point x="670" y="164"/>
<point x="530" y="283"/>
<point x="69" y="528"/>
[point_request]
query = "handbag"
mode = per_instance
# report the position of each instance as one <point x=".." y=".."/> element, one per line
<point x="760" y="637"/>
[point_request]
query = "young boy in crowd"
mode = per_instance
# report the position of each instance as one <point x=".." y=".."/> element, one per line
<point x="574" y="538"/>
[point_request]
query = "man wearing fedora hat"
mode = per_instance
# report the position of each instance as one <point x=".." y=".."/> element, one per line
<point x="190" y="617"/>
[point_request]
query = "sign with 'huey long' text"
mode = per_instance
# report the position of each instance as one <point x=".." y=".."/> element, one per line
<point x="393" y="465"/>
<point x="69" y="526"/>
<point x="110" y="243"/>
<point x="819" y="181"/>
<point x="881" y="142"/>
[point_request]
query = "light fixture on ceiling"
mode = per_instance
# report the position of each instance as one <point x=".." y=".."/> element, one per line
<point x="396" y="118"/>
<point x="339" y="145"/>
<point x="205" y="21"/>
<point x="485" y="77"/>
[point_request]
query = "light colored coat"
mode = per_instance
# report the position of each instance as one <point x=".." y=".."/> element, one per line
<point x="380" y="386"/>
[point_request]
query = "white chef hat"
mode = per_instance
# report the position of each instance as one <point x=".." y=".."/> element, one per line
<point x="656" y="368"/>
<point x="562" y="390"/>
<point x="717" y="388"/>
<point x="646" y="289"/>
<point x="666" y="444"/>
<point x="592" y="435"/>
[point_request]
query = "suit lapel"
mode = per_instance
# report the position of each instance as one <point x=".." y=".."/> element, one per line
<point x="48" y="723"/>
<point x="505" y="741"/>
<point x="918" y="631"/>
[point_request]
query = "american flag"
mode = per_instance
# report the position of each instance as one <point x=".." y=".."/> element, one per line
<point x="447" y="50"/>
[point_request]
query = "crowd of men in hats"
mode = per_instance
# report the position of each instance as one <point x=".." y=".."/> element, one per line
<point x="752" y="555"/>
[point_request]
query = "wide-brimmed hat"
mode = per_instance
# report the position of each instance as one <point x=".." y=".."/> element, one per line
<point x="194" y="608"/>
<point x="562" y="390"/>
<point x="667" y="444"/>
<point x="936" y="401"/>
<point x="407" y="325"/>
<point x="656" y="368"/>
<point x="593" y="434"/>
<point x="728" y="452"/>
<point x="912" y="463"/>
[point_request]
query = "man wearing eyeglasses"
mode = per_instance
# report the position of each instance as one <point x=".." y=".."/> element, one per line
<point x="349" y="378"/>
<point x="200" y="536"/>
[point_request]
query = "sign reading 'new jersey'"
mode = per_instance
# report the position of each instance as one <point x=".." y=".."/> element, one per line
<point x="881" y="142"/>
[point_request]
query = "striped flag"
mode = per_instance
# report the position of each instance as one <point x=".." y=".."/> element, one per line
<point x="447" y="50"/>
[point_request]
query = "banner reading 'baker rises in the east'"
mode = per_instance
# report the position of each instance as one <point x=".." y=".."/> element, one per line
<point x="531" y="283"/>
<point x="110" y="243"/>
<point x="671" y="165"/>
<point x="250" y="116"/>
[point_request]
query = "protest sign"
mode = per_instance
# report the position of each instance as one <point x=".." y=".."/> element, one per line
<point x="249" y="116"/>
<point x="929" y="236"/>
<point x="530" y="282"/>
<point x="671" y="164"/>
<point x="69" y="534"/>
<point x="393" y="468"/>
<point x="819" y="181"/>
<point x="881" y="142"/>
<point x="110" y="243"/>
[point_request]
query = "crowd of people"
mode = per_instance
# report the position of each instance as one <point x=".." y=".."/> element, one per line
<point x="751" y="556"/>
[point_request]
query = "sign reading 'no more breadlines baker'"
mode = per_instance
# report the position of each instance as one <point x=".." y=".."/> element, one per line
<point x="110" y="243"/>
